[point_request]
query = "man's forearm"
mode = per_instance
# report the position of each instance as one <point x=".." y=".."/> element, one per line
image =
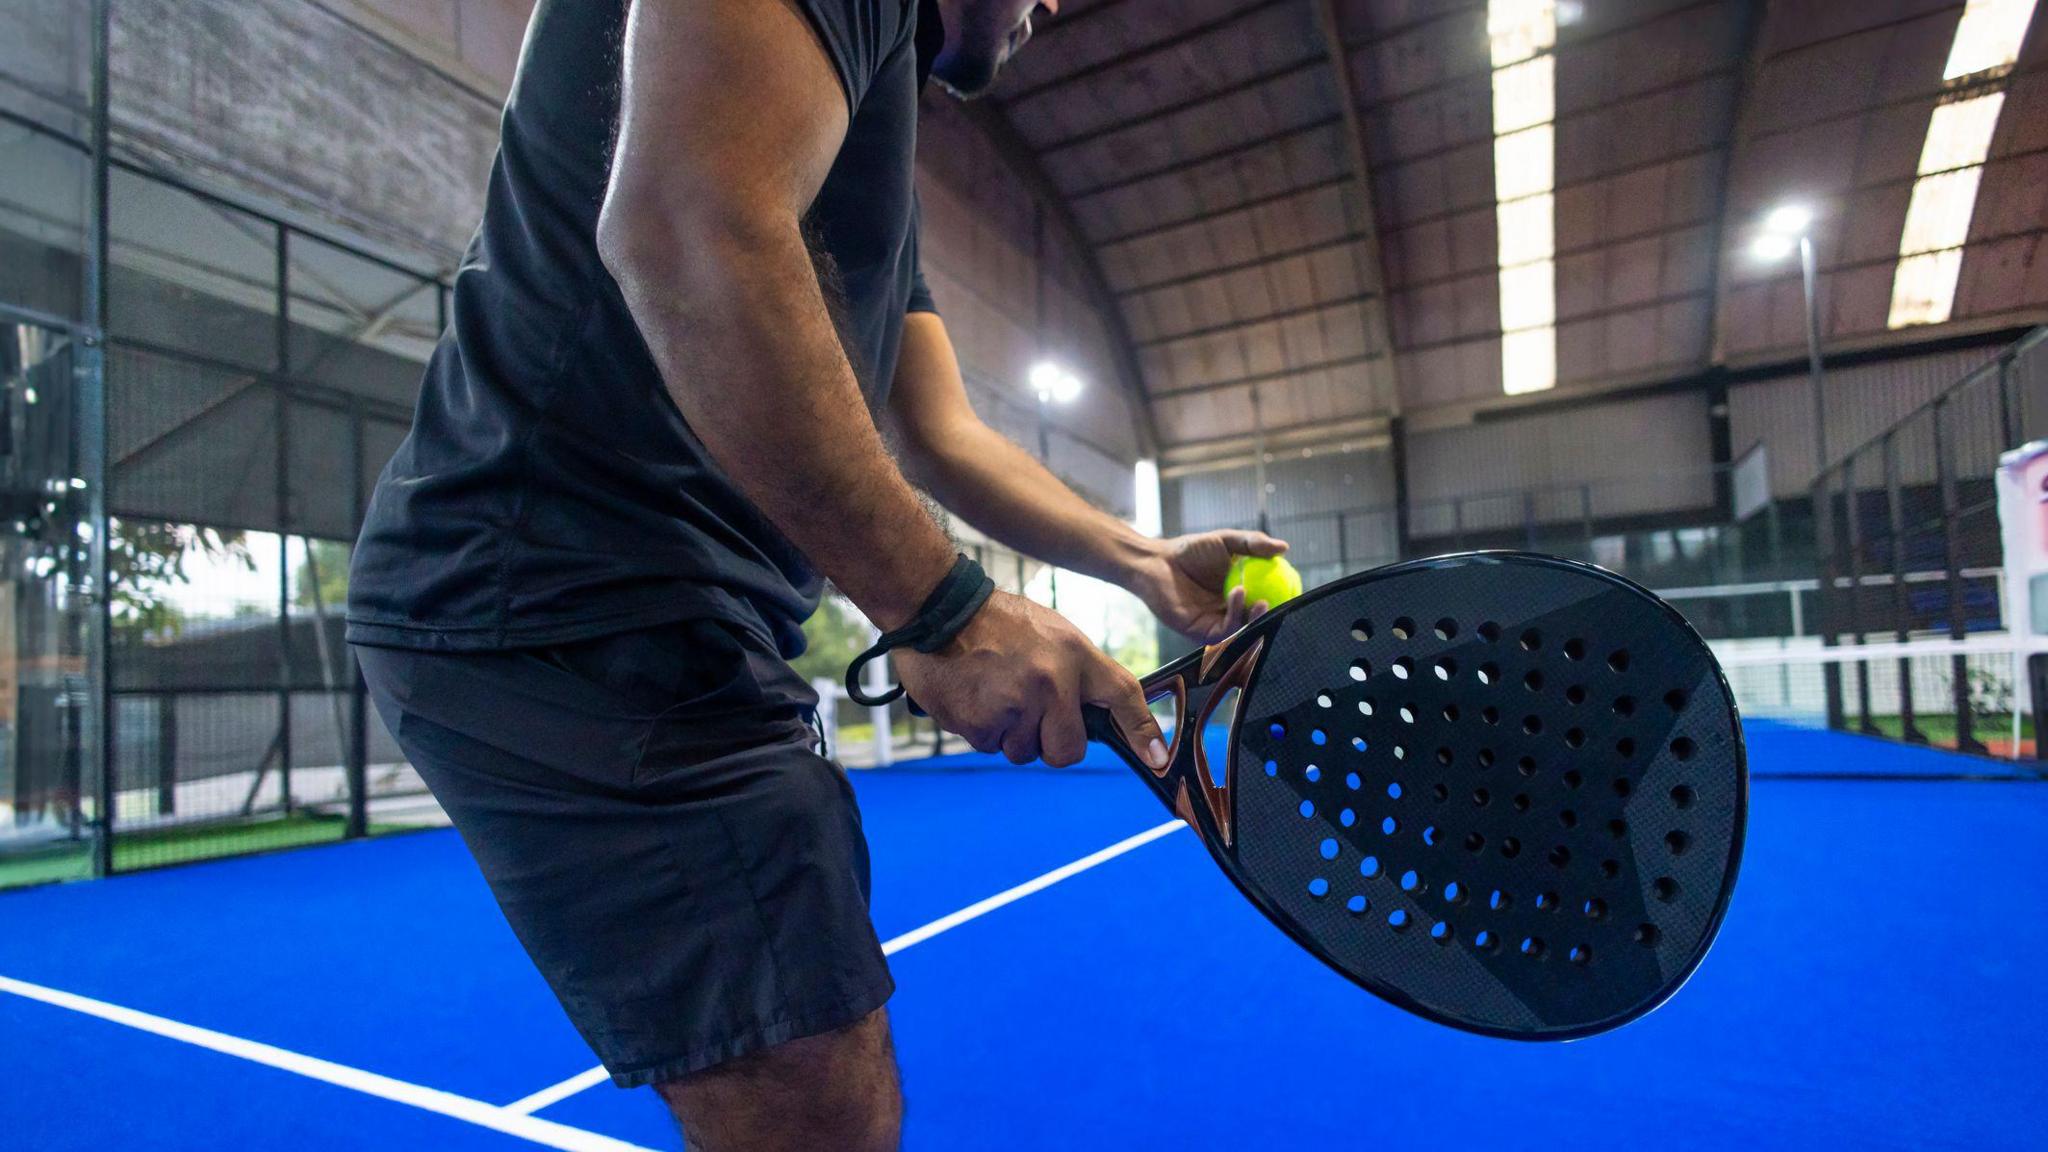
<point x="1002" y="490"/>
<point x="746" y="347"/>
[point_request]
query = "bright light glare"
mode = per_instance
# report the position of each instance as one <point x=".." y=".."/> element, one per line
<point x="1988" y="37"/>
<point x="1051" y="382"/>
<point x="1771" y="247"/>
<point x="1789" y="219"/>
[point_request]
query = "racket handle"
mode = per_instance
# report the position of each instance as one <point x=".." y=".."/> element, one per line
<point x="1103" y="730"/>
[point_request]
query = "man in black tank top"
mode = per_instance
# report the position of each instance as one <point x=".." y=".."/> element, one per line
<point x="648" y="436"/>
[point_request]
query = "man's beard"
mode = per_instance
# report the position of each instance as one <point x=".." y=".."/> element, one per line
<point x="971" y="71"/>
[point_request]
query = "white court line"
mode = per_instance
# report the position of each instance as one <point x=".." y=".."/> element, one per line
<point x="556" y="1093"/>
<point x="491" y="1116"/>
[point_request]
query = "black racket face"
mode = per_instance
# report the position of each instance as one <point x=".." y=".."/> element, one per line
<point x="1505" y="792"/>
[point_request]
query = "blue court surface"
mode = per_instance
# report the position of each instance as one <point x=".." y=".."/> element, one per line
<point x="1878" y="985"/>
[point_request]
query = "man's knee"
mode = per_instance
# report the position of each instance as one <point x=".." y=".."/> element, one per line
<point x="834" y="1090"/>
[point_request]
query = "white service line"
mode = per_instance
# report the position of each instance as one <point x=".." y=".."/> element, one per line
<point x="556" y="1093"/>
<point x="505" y="1120"/>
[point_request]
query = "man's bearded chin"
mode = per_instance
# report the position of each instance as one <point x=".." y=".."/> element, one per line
<point x="970" y="69"/>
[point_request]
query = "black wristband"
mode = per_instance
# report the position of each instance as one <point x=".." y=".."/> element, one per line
<point x="940" y="618"/>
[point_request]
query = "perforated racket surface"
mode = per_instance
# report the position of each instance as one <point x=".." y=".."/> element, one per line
<point x="1503" y="791"/>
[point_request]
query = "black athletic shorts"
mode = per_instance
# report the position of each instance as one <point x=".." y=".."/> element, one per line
<point x="649" y="808"/>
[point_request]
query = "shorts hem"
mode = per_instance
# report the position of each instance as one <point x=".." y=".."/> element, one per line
<point x="817" y="1023"/>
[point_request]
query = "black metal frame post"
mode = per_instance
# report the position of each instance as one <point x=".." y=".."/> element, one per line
<point x="1853" y="602"/>
<point x="1902" y="613"/>
<point x="357" y="752"/>
<point x="282" y="482"/>
<point x="1952" y="573"/>
<point x="93" y="414"/>
<point x="1824" y="594"/>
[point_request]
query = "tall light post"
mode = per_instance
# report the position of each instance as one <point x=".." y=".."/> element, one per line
<point x="1052" y="384"/>
<point x="1787" y="227"/>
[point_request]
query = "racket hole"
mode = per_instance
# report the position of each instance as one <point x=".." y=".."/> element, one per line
<point x="1610" y="868"/>
<point x="1526" y="765"/>
<point x="1402" y="667"/>
<point x="1369" y="867"/>
<point x="1443" y="757"/>
<point x="1397" y="920"/>
<point x="1446" y="629"/>
<point x="1682" y="748"/>
<point x="1572" y="779"/>
<point x="1480" y="796"/>
<point x="1312" y="773"/>
<point x="1308" y="809"/>
<point x="1490" y="714"/>
<point x="1647" y="935"/>
<point x="1532" y="725"/>
<point x="1361" y="630"/>
<point x="1365" y="707"/>
<point x="1407" y="714"/>
<point x="1594" y="909"/>
<point x="1675" y="700"/>
<point x="1352" y="781"/>
<point x="1617" y="660"/>
<point x="1485" y="757"/>
<point x="1521" y="802"/>
<point x="1531" y="640"/>
<point x="1323" y="700"/>
<point x="1358" y="744"/>
<point x="1486" y="942"/>
<point x="1454" y="893"/>
<point x="1445" y="669"/>
<point x="1410" y="881"/>
<point x="1442" y="932"/>
<point x="1618" y="828"/>
<point x="1575" y="695"/>
<point x="1622" y="787"/>
<point x="1560" y="856"/>
<point x="1389" y="826"/>
<point x="1665" y="889"/>
<point x="1400" y="751"/>
<point x="1404" y="629"/>
<point x="1624" y="705"/>
<point x="1488" y="674"/>
<point x="1393" y="789"/>
<point x="1625" y="747"/>
<point x="1441" y="792"/>
<point x="1510" y="847"/>
<point x="1489" y="631"/>
<point x="1319" y="887"/>
<point x="1277" y="730"/>
<point x="1574" y="738"/>
<point x="1575" y="649"/>
<point x="1328" y="848"/>
<point x="1682" y="796"/>
<point x="1500" y="901"/>
<point x="1318" y="737"/>
<point x="1347" y="817"/>
<point x="1677" y="842"/>
<point x="1357" y="905"/>
<point x="1546" y="901"/>
<point x="1429" y="835"/>
<point x="1532" y="947"/>
<point x="1360" y="669"/>
<point x="1450" y="713"/>
<point x="1580" y="955"/>
<point x="1474" y="842"/>
<point x="1568" y="818"/>
<point x="1533" y="681"/>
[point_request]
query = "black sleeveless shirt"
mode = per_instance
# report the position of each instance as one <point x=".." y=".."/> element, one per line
<point x="550" y="490"/>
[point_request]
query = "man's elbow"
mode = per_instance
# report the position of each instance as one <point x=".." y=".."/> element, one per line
<point x="655" y="242"/>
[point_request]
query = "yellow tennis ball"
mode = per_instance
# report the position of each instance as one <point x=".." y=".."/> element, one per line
<point x="1271" y="579"/>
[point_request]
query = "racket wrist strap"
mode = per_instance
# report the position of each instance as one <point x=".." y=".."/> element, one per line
<point x="939" y="619"/>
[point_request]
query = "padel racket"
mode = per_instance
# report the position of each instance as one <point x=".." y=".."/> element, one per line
<point x="1503" y="791"/>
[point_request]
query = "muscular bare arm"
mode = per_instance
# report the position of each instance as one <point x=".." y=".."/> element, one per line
<point x="731" y="117"/>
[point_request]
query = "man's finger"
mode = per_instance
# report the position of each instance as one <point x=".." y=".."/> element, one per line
<point x="1120" y="692"/>
<point x="1020" y="743"/>
<point x="1257" y="610"/>
<point x="1247" y="543"/>
<point x="1233" y="614"/>
<point x="1062" y="736"/>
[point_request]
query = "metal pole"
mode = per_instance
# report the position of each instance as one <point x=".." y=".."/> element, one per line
<point x="1809" y="278"/>
<point x="1902" y="613"/>
<point x="1952" y="553"/>
<point x="93" y="414"/>
<point x="1852" y="500"/>
<point x="282" y="484"/>
<point x="1259" y="459"/>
